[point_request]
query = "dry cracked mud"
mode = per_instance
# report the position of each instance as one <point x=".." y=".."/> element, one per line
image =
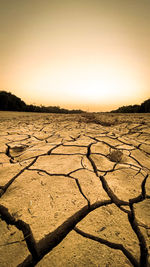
<point x="74" y="189"/>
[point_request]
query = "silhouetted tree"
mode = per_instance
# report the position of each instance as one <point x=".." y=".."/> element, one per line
<point x="11" y="102"/>
<point x="143" y="108"/>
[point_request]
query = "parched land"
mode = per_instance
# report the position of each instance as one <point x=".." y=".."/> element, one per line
<point x="74" y="189"/>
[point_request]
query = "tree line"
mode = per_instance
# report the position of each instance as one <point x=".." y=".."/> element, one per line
<point x="10" y="102"/>
<point x="143" y="108"/>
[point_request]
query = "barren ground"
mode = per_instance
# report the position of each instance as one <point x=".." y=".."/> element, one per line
<point x="74" y="189"/>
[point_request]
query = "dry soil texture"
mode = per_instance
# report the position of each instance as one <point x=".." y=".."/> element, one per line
<point x="75" y="189"/>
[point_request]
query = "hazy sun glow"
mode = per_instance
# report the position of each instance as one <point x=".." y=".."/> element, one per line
<point x="92" y="55"/>
<point x="90" y="85"/>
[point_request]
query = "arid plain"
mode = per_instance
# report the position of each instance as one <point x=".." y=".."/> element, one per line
<point x="75" y="189"/>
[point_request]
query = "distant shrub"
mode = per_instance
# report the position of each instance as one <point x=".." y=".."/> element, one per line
<point x="103" y="120"/>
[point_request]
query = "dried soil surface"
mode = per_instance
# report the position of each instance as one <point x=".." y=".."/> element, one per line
<point x="74" y="189"/>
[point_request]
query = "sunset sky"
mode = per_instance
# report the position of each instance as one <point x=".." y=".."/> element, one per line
<point x="88" y="54"/>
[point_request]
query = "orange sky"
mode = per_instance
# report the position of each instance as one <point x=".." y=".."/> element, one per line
<point x="92" y="55"/>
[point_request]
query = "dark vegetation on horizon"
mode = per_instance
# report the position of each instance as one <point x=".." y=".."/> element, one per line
<point x="143" y="108"/>
<point x="10" y="102"/>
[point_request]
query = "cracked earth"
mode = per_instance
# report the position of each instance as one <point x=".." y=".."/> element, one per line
<point x="74" y="189"/>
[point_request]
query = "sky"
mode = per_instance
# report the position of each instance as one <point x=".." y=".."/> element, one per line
<point x="87" y="54"/>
